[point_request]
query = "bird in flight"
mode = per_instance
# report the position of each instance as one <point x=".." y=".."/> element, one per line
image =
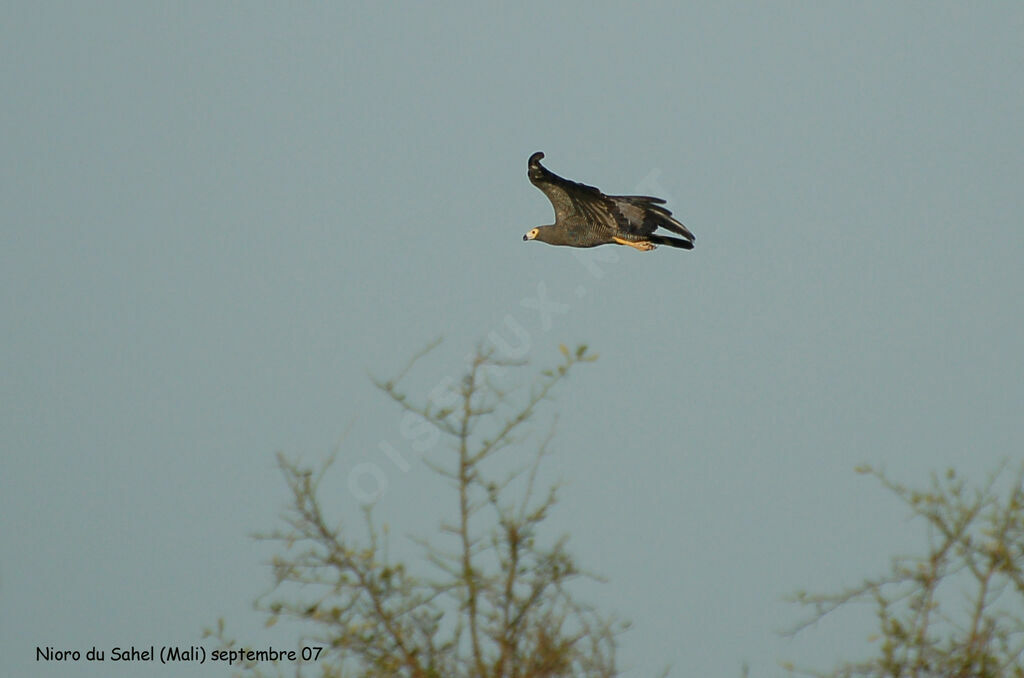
<point x="586" y="217"/>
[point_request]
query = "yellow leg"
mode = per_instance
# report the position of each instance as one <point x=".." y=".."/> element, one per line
<point x="643" y="245"/>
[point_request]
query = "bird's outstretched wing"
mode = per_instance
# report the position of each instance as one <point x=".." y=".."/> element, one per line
<point x="569" y="198"/>
<point x="637" y="215"/>
<point x="642" y="215"/>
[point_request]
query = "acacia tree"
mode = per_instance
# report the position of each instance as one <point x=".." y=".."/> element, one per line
<point x="956" y="611"/>
<point x="491" y="597"/>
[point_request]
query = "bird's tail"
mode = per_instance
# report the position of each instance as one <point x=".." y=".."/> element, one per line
<point x="670" y="241"/>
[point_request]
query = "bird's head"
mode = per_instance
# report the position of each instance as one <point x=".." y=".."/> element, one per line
<point x="532" y="234"/>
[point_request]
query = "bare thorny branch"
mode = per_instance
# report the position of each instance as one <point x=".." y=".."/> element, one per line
<point x="977" y="547"/>
<point x="495" y="602"/>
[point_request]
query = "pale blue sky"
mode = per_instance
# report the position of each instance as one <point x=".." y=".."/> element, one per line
<point x="218" y="219"/>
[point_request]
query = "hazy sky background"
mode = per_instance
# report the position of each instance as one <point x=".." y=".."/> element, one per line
<point x="218" y="220"/>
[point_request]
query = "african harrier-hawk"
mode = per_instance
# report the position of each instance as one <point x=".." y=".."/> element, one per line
<point x="586" y="217"/>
